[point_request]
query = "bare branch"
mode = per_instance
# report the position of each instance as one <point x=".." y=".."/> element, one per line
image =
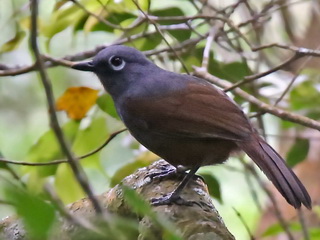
<point x="56" y="162"/>
<point x="75" y="166"/>
<point x="13" y="71"/>
<point x="298" y="50"/>
<point x="207" y="49"/>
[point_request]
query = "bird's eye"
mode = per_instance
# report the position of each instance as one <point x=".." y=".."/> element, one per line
<point x="117" y="63"/>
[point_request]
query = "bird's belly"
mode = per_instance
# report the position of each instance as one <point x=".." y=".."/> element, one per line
<point x="186" y="151"/>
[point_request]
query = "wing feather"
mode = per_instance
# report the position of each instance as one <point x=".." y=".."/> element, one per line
<point x="198" y="111"/>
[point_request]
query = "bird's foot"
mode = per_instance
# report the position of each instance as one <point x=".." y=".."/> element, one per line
<point x="171" y="199"/>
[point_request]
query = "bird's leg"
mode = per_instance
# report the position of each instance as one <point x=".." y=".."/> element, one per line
<point x="174" y="197"/>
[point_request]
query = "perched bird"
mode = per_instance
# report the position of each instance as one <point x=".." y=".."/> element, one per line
<point x="185" y="120"/>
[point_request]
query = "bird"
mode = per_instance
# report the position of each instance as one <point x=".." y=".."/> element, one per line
<point x="185" y="120"/>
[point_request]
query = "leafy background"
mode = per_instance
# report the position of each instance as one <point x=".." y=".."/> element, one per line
<point x="76" y="28"/>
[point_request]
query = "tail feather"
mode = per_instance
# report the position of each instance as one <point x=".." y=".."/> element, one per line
<point x="275" y="168"/>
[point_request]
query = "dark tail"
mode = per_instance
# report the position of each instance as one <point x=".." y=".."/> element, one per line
<point x="272" y="164"/>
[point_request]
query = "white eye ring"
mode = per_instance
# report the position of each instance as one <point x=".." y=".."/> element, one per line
<point x="117" y="63"/>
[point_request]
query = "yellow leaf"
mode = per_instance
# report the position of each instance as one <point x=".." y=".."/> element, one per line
<point x="77" y="101"/>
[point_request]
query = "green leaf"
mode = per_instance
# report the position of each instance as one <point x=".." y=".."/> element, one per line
<point x="13" y="43"/>
<point x="233" y="71"/>
<point x="126" y="23"/>
<point x="180" y="35"/>
<point x="47" y="149"/>
<point x="316" y="210"/>
<point x="147" y="43"/>
<point x="66" y="185"/>
<point x="287" y="124"/>
<point x="121" y="227"/>
<point x="298" y="152"/>
<point x="114" y="18"/>
<point x="143" y="208"/>
<point x="191" y="60"/>
<point x="126" y="170"/>
<point x="314" y="233"/>
<point x="314" y="114"/>
<point x="136" y="202"/>
<point x="213" y="186"/>
<point x="168" y="12"/>
<point x="60" y="20"/>
<point x="305" y="96"/>
<point x="37" y="214"/>
<point x="89" y="139"/>
<point x="6" y="166"/>
<point x="106" y="104"/>
<point x="277" y="228"/>
<point x="130" y="6"/>
<point x="86" y="140"/>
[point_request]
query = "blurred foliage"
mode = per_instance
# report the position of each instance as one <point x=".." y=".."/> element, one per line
<point x="37" y="215"/>
<point x="143" y="208"/>
<point x="298" y="152"/>
<point x="69" y="27"/>
<point x="213" y="186"/>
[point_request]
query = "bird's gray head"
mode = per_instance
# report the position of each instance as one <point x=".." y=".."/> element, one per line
<point x="116" y="66"/>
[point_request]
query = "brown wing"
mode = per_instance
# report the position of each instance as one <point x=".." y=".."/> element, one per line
<point x="199" y="111"/>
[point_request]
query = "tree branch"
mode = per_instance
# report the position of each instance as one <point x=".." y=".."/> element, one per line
<point x="283" y="114"/>
<point x="199" y="221"/>
<point x="75" y="166"/>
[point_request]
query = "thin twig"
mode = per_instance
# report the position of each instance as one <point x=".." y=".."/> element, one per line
<point x="162" y="35"/>
<point x="100" y="19"/>
<point x="66" y="61"/>
<point x="207" y="49"/>
<point x="249" y="79"/>
<point x="299" y="50"/>
<point x="56" y="162"/>
<point x="286" y="90"/>
<point x="58" y="61"/>
<point x="178" y="47"/>
<point x="244" y="223"/>
<point x="75" y="166"/>
<point x="283" y="114"/>
<point x="14" y="71"/>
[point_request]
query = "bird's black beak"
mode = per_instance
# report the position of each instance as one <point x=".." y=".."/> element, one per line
<point x="84" y="66"/>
